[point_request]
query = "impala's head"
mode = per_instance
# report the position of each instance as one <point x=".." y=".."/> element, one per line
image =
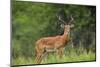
<point x="68" y="22"/>
<point x="68" y="25"/>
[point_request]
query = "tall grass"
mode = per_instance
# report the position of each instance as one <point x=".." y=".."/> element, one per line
<point x="51" y="58"/>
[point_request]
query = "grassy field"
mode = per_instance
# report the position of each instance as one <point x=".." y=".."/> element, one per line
<point x="68" y="57"/>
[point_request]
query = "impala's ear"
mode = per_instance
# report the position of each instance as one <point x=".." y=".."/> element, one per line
<point x="62" y="25"/>
<point x="72" y="25"/>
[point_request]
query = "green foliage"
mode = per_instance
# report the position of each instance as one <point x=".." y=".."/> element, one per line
<point x="32" y="21"/>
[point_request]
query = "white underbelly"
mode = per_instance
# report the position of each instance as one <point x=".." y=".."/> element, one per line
<point x="50" y="50"/>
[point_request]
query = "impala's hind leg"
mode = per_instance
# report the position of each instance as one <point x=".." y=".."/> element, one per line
<point x="37" y="59"/>
<point x="39" y="55"/>
<point x="45" y="56"/>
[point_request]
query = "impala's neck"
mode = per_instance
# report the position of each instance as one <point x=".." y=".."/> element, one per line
<point x="66" y="32"/>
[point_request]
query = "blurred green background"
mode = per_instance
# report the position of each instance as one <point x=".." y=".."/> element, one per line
<point x="32" y="21"/>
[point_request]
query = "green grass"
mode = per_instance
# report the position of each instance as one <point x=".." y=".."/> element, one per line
<point x="69" y="57"/>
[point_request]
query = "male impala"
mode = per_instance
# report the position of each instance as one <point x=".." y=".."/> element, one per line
<point x="49" y="44"/>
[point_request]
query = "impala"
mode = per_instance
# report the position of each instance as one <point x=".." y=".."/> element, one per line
<point x="52" y="44"/>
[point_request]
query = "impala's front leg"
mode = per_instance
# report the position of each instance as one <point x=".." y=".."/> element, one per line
<point x="59" y="54"/>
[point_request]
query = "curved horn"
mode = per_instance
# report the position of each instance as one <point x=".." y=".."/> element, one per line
<point x="59" y="17"/>
<point x="71" y="19"/>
